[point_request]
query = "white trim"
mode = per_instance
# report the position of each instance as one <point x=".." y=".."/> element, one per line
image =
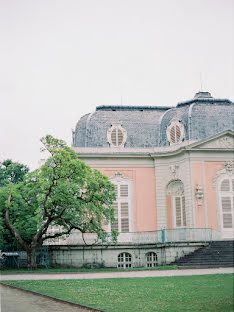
<point x="226" y="233"/>
<point x="175" y="123"/>
<point x="120" y="179"/>
<point x="174" y="212"/>
<point x="116" y="126"/>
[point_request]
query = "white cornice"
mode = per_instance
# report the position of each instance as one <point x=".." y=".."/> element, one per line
<point x="157" y="152"/>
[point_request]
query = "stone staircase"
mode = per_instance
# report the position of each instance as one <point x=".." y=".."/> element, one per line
<point x="216" y="254"/>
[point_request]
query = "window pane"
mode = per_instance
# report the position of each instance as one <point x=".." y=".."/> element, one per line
<point x="172" y="134"/>
<point x="226" y="204"/>
<point x="151" y="259"/>
<point x="225" y="186"/>
<point x="123" y="190"/>
<point x="227" y="220"/>
<point x="184" y="211"/>
<point x="114" y="137"/>
<point x="178" y="134"/>
<point x="114" y="225"/>
<point x="120" y="137"/>
<point x="124" y="217"/>
<point x="178" y="211"/>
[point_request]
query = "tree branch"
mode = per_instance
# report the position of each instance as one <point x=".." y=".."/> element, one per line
<point x="45" y="226"/>
<point x="13" y="229"/>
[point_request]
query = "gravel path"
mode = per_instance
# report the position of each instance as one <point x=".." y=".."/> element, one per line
<point x="43" y="276"/>
<point x="14" y="300"/>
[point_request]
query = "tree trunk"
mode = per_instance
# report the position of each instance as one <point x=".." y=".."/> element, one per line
<point x="31" y="257"/>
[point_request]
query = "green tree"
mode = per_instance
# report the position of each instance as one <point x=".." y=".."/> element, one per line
<point x="64" y="192"/>
<point x="10" y="172"/>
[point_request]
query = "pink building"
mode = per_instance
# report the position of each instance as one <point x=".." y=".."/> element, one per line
<point x="173" y="171"/>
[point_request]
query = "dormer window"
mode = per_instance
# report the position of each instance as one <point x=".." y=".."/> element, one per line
<point x="116" y="135"/>
<point x="175" y="132"/>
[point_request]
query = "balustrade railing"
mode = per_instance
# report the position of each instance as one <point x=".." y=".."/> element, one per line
<point x="145" y="237"/>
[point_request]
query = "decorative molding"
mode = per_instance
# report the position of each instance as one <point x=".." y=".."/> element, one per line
<point x="199" y="194"/>
<point x="226" y="141"/>
<point x="223" y="142"/>
<point x="118" y="127"/>
<point x="118" y="176"/>
<point x="175" y="188"/>
<point x="174" y="171"/>
<point x="175" y="123"/>
<point x="226" y="170"/>
<point x="228" y="166"/>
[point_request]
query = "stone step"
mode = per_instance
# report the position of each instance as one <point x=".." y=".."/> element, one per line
<point x="218" y="253"/>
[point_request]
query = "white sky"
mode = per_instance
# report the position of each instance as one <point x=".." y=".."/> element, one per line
<point x="59" y="59"/>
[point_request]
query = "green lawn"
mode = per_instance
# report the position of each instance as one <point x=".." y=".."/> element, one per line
<point x="61" y="270"/>
<point x="187" y="293"/>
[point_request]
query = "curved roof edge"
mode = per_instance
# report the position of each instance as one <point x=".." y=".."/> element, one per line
<point x="204" y="100"/>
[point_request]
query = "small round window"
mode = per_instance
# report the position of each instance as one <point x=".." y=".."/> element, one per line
<point x="116" y="135"/>
<point x="175" y="132"/>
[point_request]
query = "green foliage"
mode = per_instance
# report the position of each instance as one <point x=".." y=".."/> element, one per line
<point x="64" y="192"/>
<point x="10" y="173"/>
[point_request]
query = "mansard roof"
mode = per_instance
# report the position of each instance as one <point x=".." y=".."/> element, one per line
<point x="146" y="126"/>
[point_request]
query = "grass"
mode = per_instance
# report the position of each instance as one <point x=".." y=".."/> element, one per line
<point x="83" y="270"/>
<point x="178" y="293"/>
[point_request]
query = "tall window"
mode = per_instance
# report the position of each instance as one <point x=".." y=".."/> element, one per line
<point x="227" y="202"/>
<point x="122" y="205"/>
<point x="180" y="213"/>
<point x="176" y="190"/>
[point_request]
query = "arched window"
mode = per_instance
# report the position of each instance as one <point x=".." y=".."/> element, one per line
<point x="123" y="204"/>
<point x="176" y="190"/>
<point x="226" y="194"/>
<point x="124" y="260"/>
<point x="151" y="259"/>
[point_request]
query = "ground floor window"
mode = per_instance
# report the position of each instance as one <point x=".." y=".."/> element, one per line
<point x="151" y="259"/>
<point x="124" y="260"/>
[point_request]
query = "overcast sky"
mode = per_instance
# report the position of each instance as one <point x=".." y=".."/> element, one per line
<point x="59" y="59"/>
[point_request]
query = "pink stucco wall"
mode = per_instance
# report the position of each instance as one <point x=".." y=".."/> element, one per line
<point x="144" y="198"/>
<point x="211" y="169"/>
<point x="169" y="212"/>
<point x="199" y="210"/>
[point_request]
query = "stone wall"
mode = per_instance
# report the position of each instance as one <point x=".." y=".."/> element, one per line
<point x="107" y="256"/>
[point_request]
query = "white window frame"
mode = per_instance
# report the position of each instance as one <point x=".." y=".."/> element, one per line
<point x="124" y="264"/>
<point x="182" y="197"/>
<point x="175" y="123"/>
<point x="118" y="179"/>
<point x="227" y="232"/>
<point x="175" y="188"/>
<point x="116" y="126"/>
<point x="152" y="262"/>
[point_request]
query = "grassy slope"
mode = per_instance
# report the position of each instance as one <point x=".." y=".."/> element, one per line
<point x="187" y="293"/>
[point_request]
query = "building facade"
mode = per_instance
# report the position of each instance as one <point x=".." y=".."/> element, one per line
<point x="174" y="177"/>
